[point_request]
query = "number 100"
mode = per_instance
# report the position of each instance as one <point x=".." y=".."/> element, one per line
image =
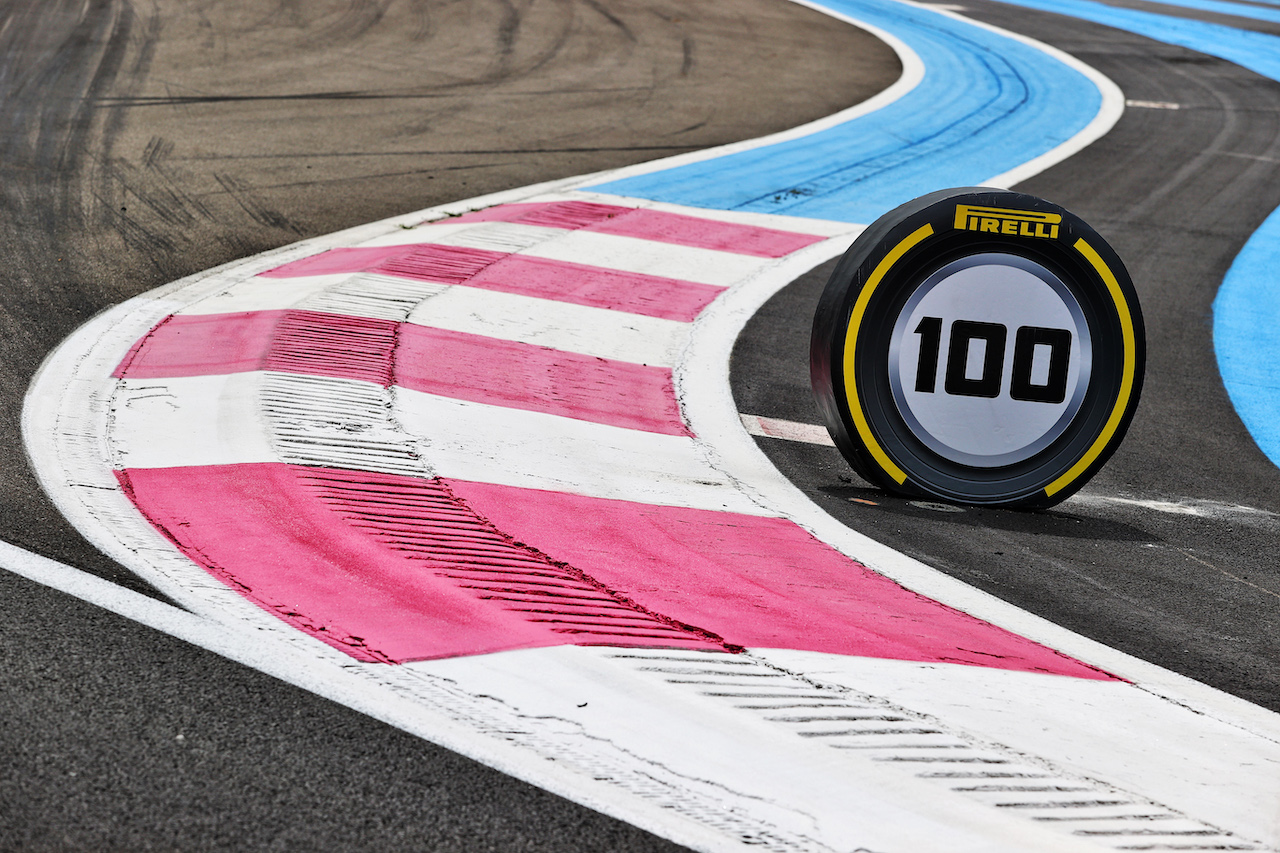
<point x="995" y="336"/>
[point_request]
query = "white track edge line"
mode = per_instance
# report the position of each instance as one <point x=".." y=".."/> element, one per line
<point x="336" y="681"/>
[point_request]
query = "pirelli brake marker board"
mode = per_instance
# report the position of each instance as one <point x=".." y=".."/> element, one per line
<point x="979" y="346"/>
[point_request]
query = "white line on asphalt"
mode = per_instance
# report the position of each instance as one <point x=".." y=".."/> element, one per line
<point x="786" y="430"/>
<point x="1153" y="105"/>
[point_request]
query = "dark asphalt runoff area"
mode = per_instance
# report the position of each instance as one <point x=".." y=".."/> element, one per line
<point x="1170" y="552"/>
<point x="142" y="142"/>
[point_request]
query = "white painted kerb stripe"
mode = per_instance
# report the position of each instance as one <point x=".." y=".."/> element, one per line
<point x="190" y="420"/>
<point x="323" y="293"/>
<point x="631" y="254"/>
<point x="599" y="332"/>
<point x="533" y="450"/>
<point x="611" y="251"/>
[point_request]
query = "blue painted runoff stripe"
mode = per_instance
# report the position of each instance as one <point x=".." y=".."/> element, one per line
<point x="1246" y="311"/>
<point x="1246" y="335"/>
<point x="987" y="104"/>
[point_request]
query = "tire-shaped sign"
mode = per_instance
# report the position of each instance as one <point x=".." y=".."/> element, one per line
<point x="980" y="346"/>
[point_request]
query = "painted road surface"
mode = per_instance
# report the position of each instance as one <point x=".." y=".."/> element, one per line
<point x="229" y="129"/>
<point x="476" y="471"/>
<point x="579" y="566"/>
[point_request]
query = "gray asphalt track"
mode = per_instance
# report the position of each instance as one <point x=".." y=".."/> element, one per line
<point x="1176" y="192"/>
<point x="140" y="142"/>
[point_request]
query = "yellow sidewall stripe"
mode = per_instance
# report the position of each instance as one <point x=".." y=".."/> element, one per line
<point x="851" y="347"/>
<point x="1126" y="382"/>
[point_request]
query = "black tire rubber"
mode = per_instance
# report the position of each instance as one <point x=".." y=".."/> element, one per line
<point x="906" y="246"/>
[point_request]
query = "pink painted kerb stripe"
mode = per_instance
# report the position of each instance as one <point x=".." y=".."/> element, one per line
<point x="435" y="361"/>
<point x="533" y="378"/>
<point x="393" y="568"/>
<point x="580" y="284"/>
<point x="646" y="224"/>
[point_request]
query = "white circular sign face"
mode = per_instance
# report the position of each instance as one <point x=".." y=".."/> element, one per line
<point x="990" y="360"/>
